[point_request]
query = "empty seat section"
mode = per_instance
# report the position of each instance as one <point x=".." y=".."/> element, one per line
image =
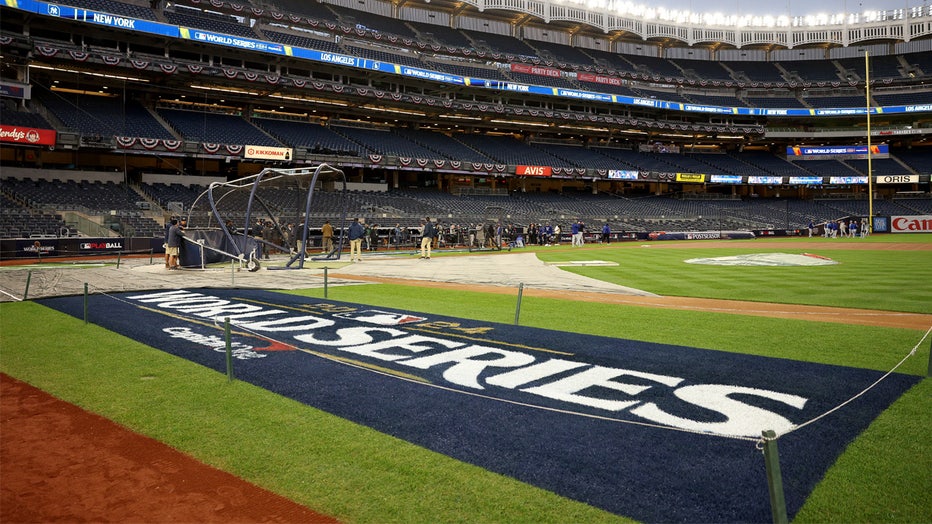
<point x="202" y="126"/>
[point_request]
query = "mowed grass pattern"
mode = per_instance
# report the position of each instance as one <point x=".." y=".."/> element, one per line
<point x="360" y="475"/>
<point x="886" y="280"/>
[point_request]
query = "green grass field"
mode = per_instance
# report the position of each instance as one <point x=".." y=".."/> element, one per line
<point x="359" y="475"/>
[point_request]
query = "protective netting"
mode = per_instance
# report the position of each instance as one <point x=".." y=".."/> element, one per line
<point x="251" y="217"/>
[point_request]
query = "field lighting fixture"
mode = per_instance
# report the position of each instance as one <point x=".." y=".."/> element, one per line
<point x="460" y="117"/>
<point x="224" y="90"/>
<point x="517" y="123"/>
<point x="310" y="100"/>
<point x="87" y="73"/>
<point x="392" y="110"/>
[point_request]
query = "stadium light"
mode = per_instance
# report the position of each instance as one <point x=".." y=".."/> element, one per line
<point x="517" y="123"/>
<point x="461" y="117"/>
<point x="311" y="100"/>
<point x="224" y="89"/>
<point x="88" y="73"/>
<point x="391" y="110"/>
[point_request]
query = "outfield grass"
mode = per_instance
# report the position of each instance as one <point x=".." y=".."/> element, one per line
<point x="869" y="279"/>
<point x="360" y="475"/>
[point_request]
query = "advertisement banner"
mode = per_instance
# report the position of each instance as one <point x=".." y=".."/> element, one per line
<point x="536" y="70"/>
<point x="15" y="90"/>
<point x="911" y="224"/>
<point x="695" y="178"/>
<point x="725" y="179"/>
<point x="881" y="225"/>
<point x="27" y="135"/>
<point x="837" y="152"/>
<point x="805" y="180"/>
<point x="598" y="79"/>
<point x="618" y="174"/>
<point x="268" y="153"/>
<point x="766" y="180"/>
<point x="897" y="179"/>
<point x="98" y="245"/>
<point x="533" y="170"/>
<point x="847" y="180"/>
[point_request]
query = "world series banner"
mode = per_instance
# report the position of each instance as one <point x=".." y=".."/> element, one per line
<point x="650" y="431"/>
<point x="837" y="152"/>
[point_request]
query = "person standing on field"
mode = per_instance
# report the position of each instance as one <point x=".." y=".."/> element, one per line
<point x="327" y="237"/>
<point x="173" y="244"/>
<point x="356" y="233"/>
<point x="427" y="238"/>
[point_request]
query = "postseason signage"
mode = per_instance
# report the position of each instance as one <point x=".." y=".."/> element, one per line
<point x="437" y="351"/>
<point x="543" y="407"/>
<point x="837" y="152"/>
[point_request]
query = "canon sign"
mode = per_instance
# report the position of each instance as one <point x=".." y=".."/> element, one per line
<point x="911" y="224"/>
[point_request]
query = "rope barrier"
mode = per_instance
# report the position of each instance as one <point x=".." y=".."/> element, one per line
<point x="863" y="391"/>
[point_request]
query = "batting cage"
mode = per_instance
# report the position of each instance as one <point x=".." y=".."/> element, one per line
<point x="251" y="217"/>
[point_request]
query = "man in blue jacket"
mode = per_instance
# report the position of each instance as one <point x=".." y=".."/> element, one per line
<point x="427" y="238"/>
<point x="356" y="232"/>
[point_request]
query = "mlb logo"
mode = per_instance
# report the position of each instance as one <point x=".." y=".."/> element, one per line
<point x="381" y="318"/>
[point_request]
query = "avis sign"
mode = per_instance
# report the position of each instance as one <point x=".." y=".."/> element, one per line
<point x="911" y="224"/>
<point x="533" y="170"/>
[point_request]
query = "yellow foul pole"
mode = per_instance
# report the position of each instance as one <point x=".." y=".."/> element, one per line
<point x="870" y="172"/>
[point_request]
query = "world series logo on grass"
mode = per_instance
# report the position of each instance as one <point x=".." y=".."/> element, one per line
<point x="497" y="369"/>
<point x="612" y="422"/>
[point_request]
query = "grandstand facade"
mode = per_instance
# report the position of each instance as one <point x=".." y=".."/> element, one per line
<point x="116" y="114"/>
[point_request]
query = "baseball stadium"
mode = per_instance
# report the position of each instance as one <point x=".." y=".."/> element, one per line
<point x="426" y="261"/>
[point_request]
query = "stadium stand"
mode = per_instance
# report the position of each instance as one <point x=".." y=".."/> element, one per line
<point x="306" y="42"/>
<point x="228" y="25"/>
<point x="316" y="138"/>
<point x="313" y="9"/>
<point x="95" y="115"/>
<point x="648" y="77"/>
<point x="127" y="9"/>
<point x="219" y="128"/>
<point x="753" y="71"/>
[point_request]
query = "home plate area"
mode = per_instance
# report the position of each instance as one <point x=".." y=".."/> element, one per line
<point x="649" y="431"/>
